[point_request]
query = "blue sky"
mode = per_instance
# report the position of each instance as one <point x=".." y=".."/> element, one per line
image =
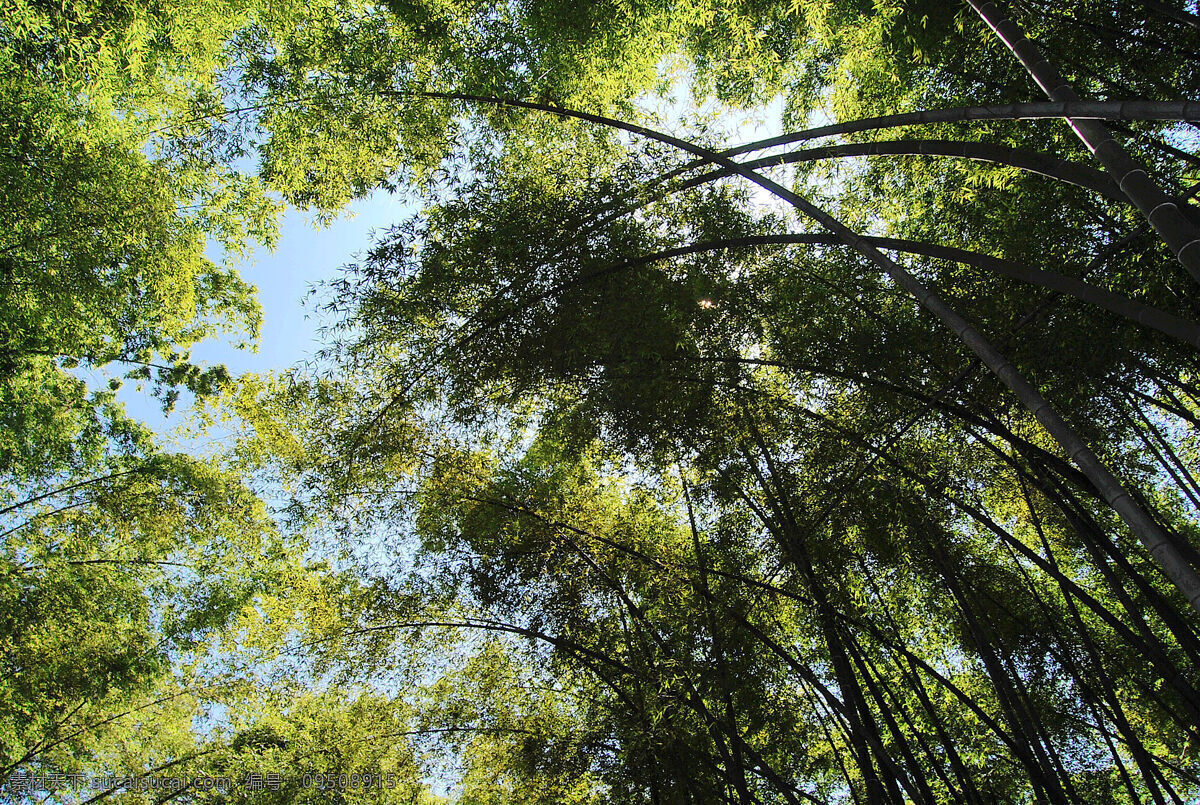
<point x="305" y="256"/>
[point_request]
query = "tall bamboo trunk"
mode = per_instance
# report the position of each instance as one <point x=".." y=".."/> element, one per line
<point x="1160" y="210"/>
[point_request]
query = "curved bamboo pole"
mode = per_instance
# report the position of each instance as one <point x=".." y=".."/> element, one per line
<point x="1023" y="159"/>
<point x="1181" y="329"/>
<point x="1152" y="536"/>
<point x="1041" y="110"/>
<point x="1180" y="234"/>
<point x="1099" y="110"/>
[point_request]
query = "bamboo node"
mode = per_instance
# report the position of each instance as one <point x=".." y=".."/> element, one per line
<point x="1154" y="211"/>
<point x="1186" y="246"/>
<point x="1125" y="178"/>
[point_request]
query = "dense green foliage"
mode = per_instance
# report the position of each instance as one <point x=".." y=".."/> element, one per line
<point x="615" y="484"/>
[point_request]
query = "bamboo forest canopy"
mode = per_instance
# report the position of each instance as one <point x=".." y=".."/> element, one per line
<point x="641" y="464"/>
